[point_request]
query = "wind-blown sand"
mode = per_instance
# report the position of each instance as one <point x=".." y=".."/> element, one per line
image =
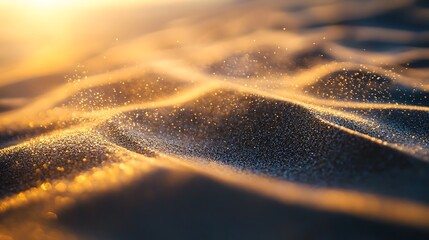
<point x="227" y="120"/>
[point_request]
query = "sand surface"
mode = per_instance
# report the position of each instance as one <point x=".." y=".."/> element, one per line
<point x="217" y="120"/>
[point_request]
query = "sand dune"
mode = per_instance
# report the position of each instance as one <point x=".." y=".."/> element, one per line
<point x="218" y="120"/>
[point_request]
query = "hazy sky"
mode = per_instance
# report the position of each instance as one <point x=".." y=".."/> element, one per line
<point x="43" y="37"/>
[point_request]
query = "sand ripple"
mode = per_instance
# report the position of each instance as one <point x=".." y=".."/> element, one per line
<point x="264" y="119"/>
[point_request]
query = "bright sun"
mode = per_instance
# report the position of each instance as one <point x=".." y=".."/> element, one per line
<point x="51" y="3"/>
<point x="46" y="3"/>
<point x="67" y="3"/>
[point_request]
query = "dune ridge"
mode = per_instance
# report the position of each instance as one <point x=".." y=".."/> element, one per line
<point x="286" y="118"/>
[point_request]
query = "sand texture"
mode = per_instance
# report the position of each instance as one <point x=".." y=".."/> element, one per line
<point x="215" y="120"/>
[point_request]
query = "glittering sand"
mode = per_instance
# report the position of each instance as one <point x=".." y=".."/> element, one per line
<point x="223" y="120"/>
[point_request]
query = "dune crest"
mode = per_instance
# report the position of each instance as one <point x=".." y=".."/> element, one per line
<point x="299" y="114"/>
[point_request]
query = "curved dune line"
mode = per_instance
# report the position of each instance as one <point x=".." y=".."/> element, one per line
<point x="195" y="92"/>
<point x="93" y="181"/>
<point x="343" y="201"/>
<point x="304" y="78"/>
<point x="237" y="106"/>
<point x="329" y="199"/>
<point x="212" y="85"/>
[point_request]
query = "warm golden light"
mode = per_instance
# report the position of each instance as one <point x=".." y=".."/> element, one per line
<point x="37" y="5"/>
<point x="178" y="116"/>
<point x="47" y="3"/>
